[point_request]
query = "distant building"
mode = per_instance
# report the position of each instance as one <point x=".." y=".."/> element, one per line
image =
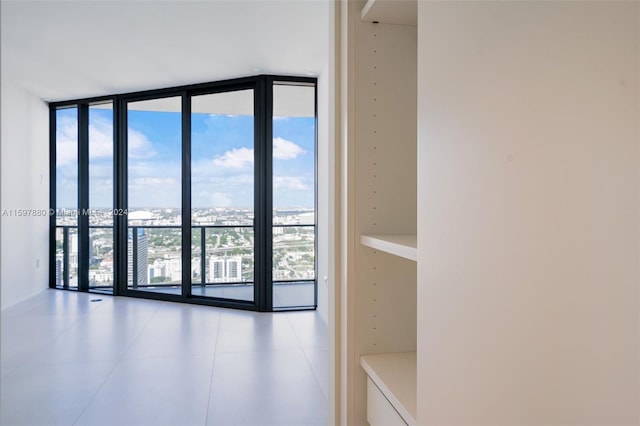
<point x="73" y="250"/>
<point x="225" y="269"/>
<point x="169" y="269"/>
<point x="58" y="271"/>
<point x="142" y="258"/>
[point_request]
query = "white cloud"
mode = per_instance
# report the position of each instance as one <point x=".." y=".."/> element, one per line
<point x="289" y="183"/>
<point x="101" y="171"/>
<point x="66" y="142"/>
<point x="221" y="199"/>
<point x="235" y="159"/>
<point x="100" y="141"/>
<point x="216" y="115"/>
<point x="154" y="191"/>
<point x="238" y="158"/>
<point x="285" y="150"/>
<point x="161" y="182"/>
<point x="138" y="145"/>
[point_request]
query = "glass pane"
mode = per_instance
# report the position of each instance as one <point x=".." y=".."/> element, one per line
<point x="293" y="294"/>
<point x="60" y="260"/>
<point x="198" y="268"/>
<point x="227" y="268"/>
<point x="154" y="155"/>
<point x="294" y="135"/>
<point x="229" y="255"/>
<point x="293" y="253"/>
<point x="222" y="197"/>
<point x="73" y="258"/>
<point x="66" y="203"/>
<point x="101" y="258"/>
<point x="67" y="166"/>
<point x="101" y="197"/>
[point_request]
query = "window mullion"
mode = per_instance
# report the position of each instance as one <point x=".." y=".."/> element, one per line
<point x="83" y="197"/>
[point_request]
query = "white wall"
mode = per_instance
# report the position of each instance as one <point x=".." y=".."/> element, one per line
<point x="528" y="236"/>
<point x="24" y="185"/>
<point x="325" y="205"/>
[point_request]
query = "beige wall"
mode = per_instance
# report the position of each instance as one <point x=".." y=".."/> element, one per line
<point x="528" y="191"/>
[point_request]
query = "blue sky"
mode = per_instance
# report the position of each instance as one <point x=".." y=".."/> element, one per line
<point x="222" y="160"/>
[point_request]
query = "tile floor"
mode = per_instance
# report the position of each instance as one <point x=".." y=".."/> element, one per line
<point x="68" y="361"/>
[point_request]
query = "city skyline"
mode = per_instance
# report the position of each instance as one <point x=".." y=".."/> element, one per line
<point x="229" y="248"/>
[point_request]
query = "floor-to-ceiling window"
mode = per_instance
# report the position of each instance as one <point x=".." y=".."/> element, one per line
<point x="100" y="187"/>
<point x="294" y="197"/>
<point x="65" y="120"/>
<point x="203" y="193"/>
<point x="223" y="195"/>
<point x="154" y="194"/>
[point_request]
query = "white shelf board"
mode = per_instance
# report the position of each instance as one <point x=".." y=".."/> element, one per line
<point x="402" y="12"/>
<point x="403" y="245"/>
<point x="395" y="376"/>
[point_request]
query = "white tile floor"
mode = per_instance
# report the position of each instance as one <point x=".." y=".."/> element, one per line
<point x="68" y="361"/>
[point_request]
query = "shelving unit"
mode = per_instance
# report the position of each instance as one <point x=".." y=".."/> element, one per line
<point x="399" y="12"/>
<point x="398" y="298"/>
<point x="403" y="245"/>
<point x="383" y="81"/>
<point x="394" y="374"/>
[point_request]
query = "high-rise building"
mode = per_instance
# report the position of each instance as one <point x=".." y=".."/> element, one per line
<point x="170" y="269"/>
<point x="225" y="269"/>
<point x="73" y="250"/>
<point x="58" y="271"/>
<point x="142" y="258"/>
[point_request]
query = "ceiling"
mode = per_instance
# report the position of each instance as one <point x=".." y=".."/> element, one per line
<point x="288" y="101"/>
<point x="61" y="50"/>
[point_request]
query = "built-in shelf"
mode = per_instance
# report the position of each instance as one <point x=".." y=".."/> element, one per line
<point x="402" y="12"/>
<point x="403" y="245"/>
<point x="395" y="375"/>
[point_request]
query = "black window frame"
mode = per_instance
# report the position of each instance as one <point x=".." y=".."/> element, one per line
<point x="262" y="85"/>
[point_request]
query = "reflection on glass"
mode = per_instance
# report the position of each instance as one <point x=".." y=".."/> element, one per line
<point x="222" y="197"/>
<point x="101" y="197"/>
<point x="293" y="258"/>
<point x="154" y="152"/>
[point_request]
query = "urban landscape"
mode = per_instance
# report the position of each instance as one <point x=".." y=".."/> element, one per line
<point x="154" y="247"/>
